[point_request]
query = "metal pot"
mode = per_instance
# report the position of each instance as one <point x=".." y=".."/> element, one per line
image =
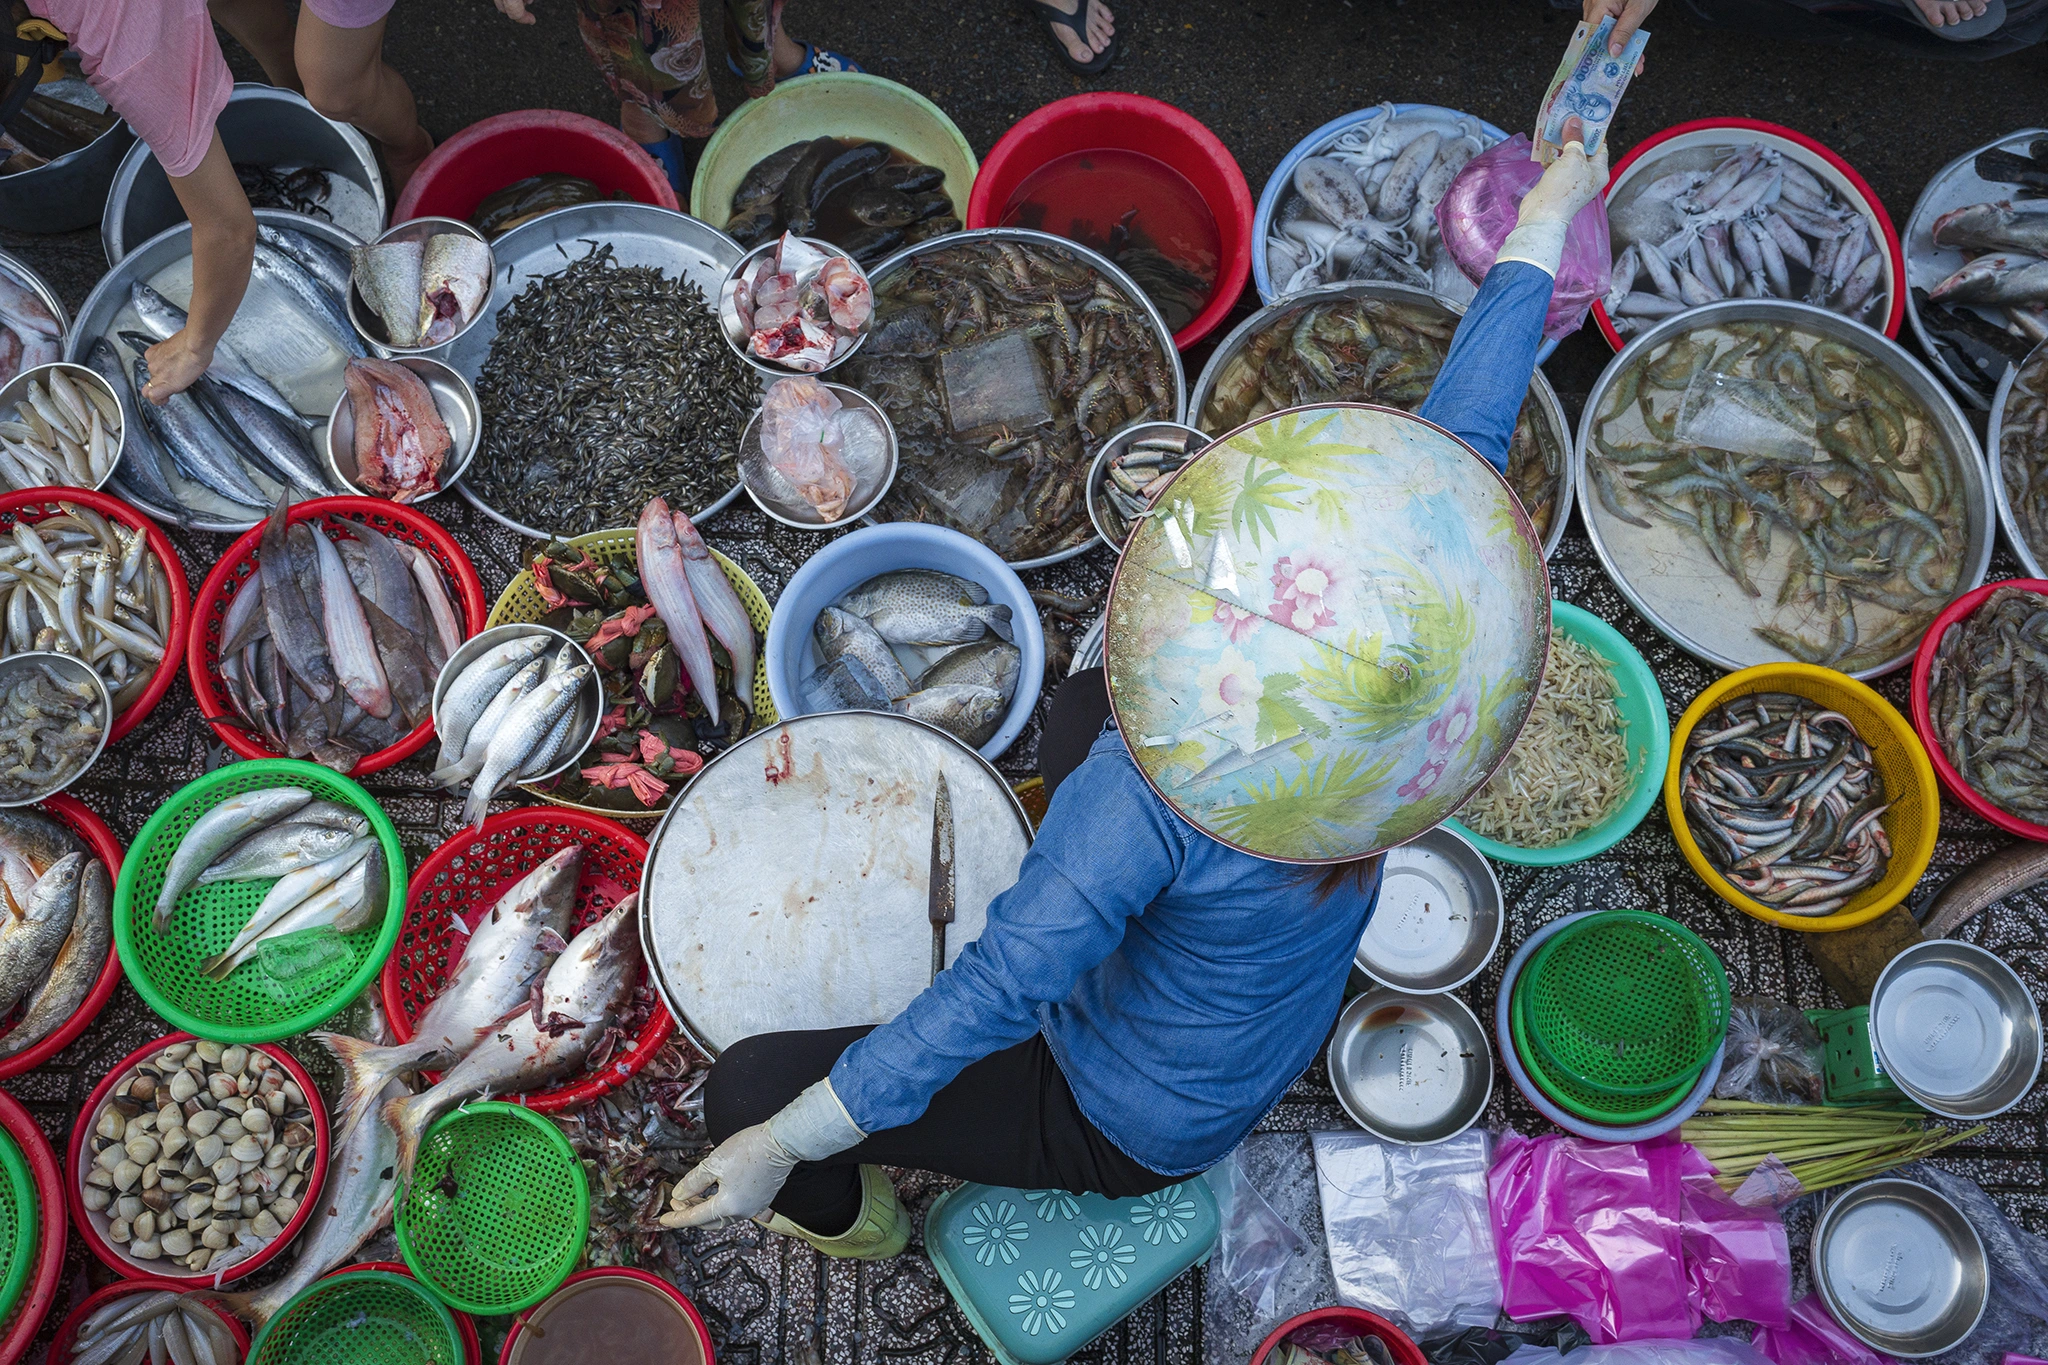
<point x="68" y="193"/>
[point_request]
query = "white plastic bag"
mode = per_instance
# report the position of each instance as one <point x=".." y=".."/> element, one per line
<point x="1408" y="1231"/>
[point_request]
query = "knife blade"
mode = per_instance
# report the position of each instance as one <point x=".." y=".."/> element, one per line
<point x="941" y="883"/>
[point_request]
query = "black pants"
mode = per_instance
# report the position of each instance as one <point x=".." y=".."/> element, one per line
<point x="1008" y="1119"/>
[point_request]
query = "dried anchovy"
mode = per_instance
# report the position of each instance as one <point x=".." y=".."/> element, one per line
<point x="2023" y="452"/>
<point x="1784" y="799"/>
<point x="606" y="386"/>
<point x="1569" y="768"/>
<point x="1988" y="687"/>
<point x="1017" y="485"/>
<point x="1372" y="350"/>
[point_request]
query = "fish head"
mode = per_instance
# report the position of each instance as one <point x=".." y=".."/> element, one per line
<point x="58" y="887"/>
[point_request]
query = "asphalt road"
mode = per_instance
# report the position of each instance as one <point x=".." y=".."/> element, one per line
<point x="1262" y="74"/>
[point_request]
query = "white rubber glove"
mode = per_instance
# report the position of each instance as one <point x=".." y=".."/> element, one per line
<point x="1573" y="181"/>
<point x="747" y="1169"/>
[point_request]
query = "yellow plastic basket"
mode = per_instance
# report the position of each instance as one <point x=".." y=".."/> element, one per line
<point x="1911" y="823"/>
<point x="522" y="604"/>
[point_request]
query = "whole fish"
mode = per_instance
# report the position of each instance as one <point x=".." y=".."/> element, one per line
<point x="161" y="319"/>
<point x="31" y="843"/>
<point x="988" y="662"/>
<point x="325" y="308"/>
<point x="388" y="275"/>
<point x="407" y="671"/>
<point x="667" y="584"/>
<point x="279" y="443"/>
<point x="586" y="990"/>
<point x="286" y="894"/>
<point x="295" y="623"/>
<point x="455" y="279"/>
<point x="355" y="1205"/>
<point x="29" y="945"/>
<point x="969" y="712"/>
<point x="1995" y="279"/>
<point x="25" y="311"/>
<point x="511" y="947"/>
<point x="142" y="459"/>
<point x="391" y="586"/>
<point x="457" y="768"/>
<point x="278" y="850"/>
<point x="924" y="607"/>
<point x="723" y="613"/>
<point x="845" y="685"/>
<point x="327" y="264"/>
<point x="331" y="815"/>
<point x="523" y="730"/>
<point x="344" y="903"/>
<point x="356" y="665"/>
<point x="426" y="575"/>
<point x="77" y="966"/>
<point x="217" y="831"/>
<point x="2006" y="872"/>
<point x="196" y="446"/>
<point x="475" y="686"/>
<point x="2002" y="226"/>
<point x="840" y="634"/>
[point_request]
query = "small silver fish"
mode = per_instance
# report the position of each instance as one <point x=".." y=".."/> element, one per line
<point x="215" y="832"/>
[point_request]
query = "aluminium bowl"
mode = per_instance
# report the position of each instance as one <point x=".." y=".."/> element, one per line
<point x="1439" y="918"/>
<point x="736" y="334"/>
<point x="1956" y="1029"/>
<point x="1413" y="1069"/>
<point x="454" y="400"/>
<point x="370" y="327"/>
<point x="848" y="397"/>
<point x="15" y="391"/>
<point x="1100" y="511"/>
<point x="589" y="702"/>
<point x="1900" y="1266"/>
<point x="14" y="666"/>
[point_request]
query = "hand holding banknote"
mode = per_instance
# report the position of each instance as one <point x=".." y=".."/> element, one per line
<point x="1628" y="17"/>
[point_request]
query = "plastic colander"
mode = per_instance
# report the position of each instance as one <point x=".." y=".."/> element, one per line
<point x="1626" y="1004"/>
<point x="365" y="1317"/>
<point x="498" y="1210"/>
<point x="1609" y="1111"/>
<point x="19" y="1224"/>
<point x="251" y="1005"/>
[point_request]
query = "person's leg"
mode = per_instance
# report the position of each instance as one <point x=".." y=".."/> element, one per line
<point x="348" y="80"/>
<point x="264" y="29"/>
<point x="1072" y="725"/>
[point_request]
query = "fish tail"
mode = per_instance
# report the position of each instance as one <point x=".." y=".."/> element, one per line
<point x="477" y="807"/>
<point x="456" y="773"/>
<point x="365" y="1070"/>
<point x="998" y="620"/>
<point x="410" y="1117"/>
<point x="249" y="1305"/>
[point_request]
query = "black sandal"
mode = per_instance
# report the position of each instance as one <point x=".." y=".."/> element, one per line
<point x="1076" y="24"/>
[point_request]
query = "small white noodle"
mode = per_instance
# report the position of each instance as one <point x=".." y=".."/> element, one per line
<point x="1569" y="768"/>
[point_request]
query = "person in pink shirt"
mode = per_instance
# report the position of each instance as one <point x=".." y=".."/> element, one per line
<point x="157" y="64"/>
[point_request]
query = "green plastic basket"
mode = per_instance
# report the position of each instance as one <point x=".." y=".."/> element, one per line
<point x="1610" y="1111"/>
<point x="20" y="1225"/>
<point x="498" y="1211"/>
<point x="250" y="1006"/>
<point x="1624" y="1004"/>
<point x="364" y="1317"/>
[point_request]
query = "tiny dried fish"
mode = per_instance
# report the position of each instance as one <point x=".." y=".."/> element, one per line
<point x="1569" y="769"/>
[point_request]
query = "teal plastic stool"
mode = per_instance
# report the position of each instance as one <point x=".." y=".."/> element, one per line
<point x="1041" y="1273"/>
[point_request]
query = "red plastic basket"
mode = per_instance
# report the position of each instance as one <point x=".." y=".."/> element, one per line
<point x="1825" y="153"/>
<point x="60" y="1347"/>
<point x="617" y="1272"/>
<point x="34" y="1305"/>
<point x="32" y="505"/>
<point x="1923" y="712"/>
<point x="107" y="849"/>
<point x="81" y="1129"/>
<point x="463" y="879"/>
<point x="472" y="1346"/>
<point x="1354" y="1320"/>
<point x="238" y="565"/>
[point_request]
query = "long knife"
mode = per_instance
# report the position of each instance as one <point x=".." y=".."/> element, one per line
<point x="941" y="885"/>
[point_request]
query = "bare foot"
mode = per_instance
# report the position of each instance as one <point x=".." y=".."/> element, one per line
<point x="1942" y="13"/>
<point x="401" y="163"/>
<point x="788" y="54"/>
<point x="1101" y="27"/>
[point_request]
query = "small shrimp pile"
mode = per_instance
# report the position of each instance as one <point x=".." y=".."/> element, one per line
<point x="1569" y="769"/>
<point x="1987" y="690"/>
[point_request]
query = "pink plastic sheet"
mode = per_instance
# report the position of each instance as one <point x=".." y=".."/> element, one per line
<point x="1812" y="1337"/>
<point x="1478" y="211"/>
<point x="1630" y="1240"/>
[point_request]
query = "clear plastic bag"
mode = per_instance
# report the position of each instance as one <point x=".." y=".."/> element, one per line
<point x="1749" y="417"/>
<point x="2018" y="1306"/>
<point x="1256" y="1247"/>
<point x="1478" y="211"/>
<point x="1774" y="1055"/>
<point x="1407" y="1229"/>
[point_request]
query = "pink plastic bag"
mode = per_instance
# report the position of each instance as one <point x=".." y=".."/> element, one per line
<point x="1591" y="1230"/>
<point x="1478" y="211"/>
<point x="1737" y="1263"/>
<point x="1814" y="1338"/>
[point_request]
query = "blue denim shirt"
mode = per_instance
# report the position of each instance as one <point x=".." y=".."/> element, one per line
<point x="1182" y="985"/>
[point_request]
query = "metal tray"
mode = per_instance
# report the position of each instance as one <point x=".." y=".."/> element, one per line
<point x="1954" y="428"/>
<point x="1095" y="260"/>
<point x="110" y="297"/>
<point x="1994" y="464"/>
<point x="639" y="234"/>
<point x="1952" y="187"/>
<point x="1242" y="334"/>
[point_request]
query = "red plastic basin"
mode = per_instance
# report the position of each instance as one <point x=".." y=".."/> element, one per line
<point x="489" y="155"/>
<point x="1957" y="785"/>
<point x="1132" y="123"/>
<point x="1339" y="1320"/>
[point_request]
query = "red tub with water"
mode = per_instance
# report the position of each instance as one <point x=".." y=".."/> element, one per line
<point x="1115" y="122"/>
<point x="489" y="155"/>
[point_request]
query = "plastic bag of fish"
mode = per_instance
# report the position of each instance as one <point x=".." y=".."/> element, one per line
<point x="798" y="305"/>
<point x="79" y="584"/>
<point x="813" y="456"/>
<point x="424" y="291"/>
<point x="865" y="638"/>
<point x="331" y="648"/>
<point x="1747" y="222"/>
<point x="1364" y="206"/>
<point x="1483" y="206"/>
<point x="55" y="941"/>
